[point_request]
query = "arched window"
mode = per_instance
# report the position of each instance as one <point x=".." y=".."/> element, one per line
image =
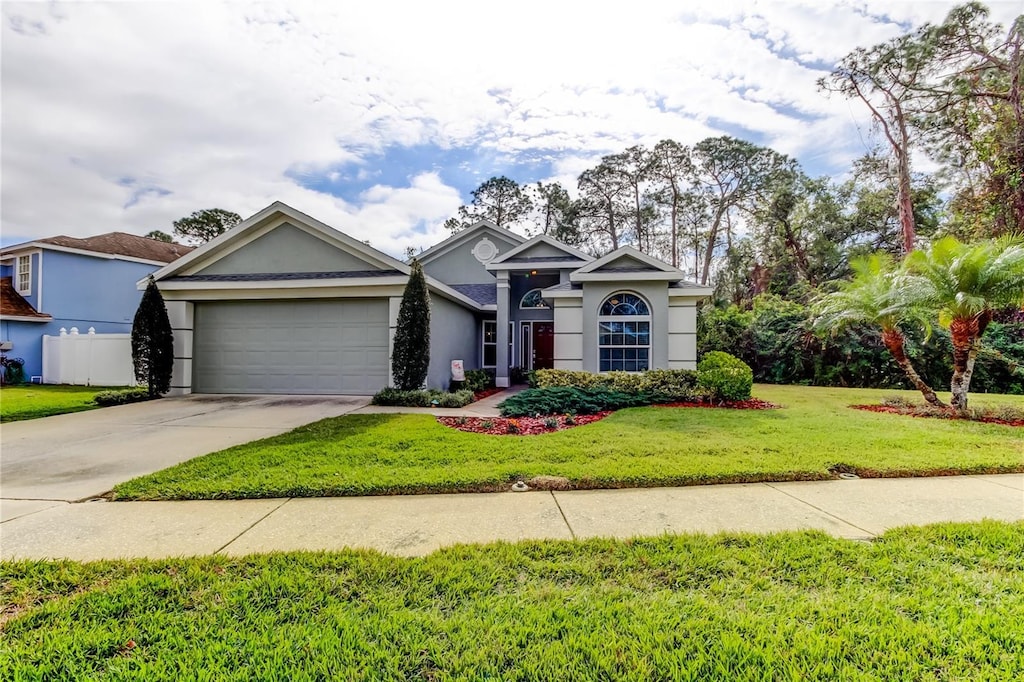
<point x="624" y="333"/>
<point x="533" y="299"/>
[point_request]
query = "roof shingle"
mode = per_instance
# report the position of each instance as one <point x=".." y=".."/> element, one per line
<point x="120" y="244"/>
<point x="12" y="304"/>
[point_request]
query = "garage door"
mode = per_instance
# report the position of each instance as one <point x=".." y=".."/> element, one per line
<point x="291" y="347"/>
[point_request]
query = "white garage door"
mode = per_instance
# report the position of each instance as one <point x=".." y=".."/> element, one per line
<point x="291" y="347"/>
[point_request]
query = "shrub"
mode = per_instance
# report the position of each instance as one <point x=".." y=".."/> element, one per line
<point x="562" y="399"/>
<point x="518" y="375"/>
<point x="724" y="376"/>
<point x="478" y="380"/>
<point x="153" y="342"/>
<point x="123" y="397"/>
<point x="422" y="398"/>
<point x="410" y="358"/>
<point x="664" y="385"/>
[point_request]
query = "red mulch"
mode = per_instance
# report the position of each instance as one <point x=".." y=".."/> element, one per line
<point x="912" y="412"/>
<point x="486" y="393"/>
<point x="752" y="404"/>
<point x="523" y="426"/>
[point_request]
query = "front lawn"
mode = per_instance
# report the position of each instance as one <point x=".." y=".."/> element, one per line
<point x="34" y="400"/>
<point x="940" y="602"/>
<point x="401" y="453"/>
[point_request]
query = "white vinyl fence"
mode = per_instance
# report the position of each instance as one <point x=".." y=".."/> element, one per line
<point x="88" y="359"/>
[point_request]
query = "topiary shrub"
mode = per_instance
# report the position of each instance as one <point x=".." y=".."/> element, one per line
<point x="563" y="399"/>
<point x="724" y="376"/>
<point x="123" y="397"/>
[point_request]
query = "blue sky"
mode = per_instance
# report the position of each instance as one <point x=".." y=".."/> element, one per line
<point x="380" y="118"/>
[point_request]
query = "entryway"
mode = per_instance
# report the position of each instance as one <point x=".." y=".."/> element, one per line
<point x="537" y="345"/>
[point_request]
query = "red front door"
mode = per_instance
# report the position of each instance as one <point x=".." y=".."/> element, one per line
<point x="543" y="345"/>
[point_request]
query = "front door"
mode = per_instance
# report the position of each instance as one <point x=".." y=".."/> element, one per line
<point x="543" y="345"/>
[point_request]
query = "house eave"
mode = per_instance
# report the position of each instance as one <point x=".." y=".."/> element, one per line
<point x="612" y="276"/>
<point x="538" y="265"/>
<point x="26" y="318"/>
<point x="39" y="246"/>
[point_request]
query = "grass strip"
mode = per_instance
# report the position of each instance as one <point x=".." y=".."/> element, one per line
<point x="938" y="602"/>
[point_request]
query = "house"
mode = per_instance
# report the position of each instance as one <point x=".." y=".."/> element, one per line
<point x="283" y="303"/>
<point x="68" y="282"/>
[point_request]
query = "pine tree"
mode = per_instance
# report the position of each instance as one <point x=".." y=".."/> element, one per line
<point x="411" y="357"/>
<point x="153" y="342"/>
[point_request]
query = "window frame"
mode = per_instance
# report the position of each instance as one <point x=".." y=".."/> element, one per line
<point x="27" y="272"/>
<point x="639" y="319"/>
<point x="542" y="306"/>
<point x="484" y="343"/>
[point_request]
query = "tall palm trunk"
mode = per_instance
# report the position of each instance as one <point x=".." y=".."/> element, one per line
<point x="896" y="344"/>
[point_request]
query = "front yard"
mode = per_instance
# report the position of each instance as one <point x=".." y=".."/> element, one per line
<point x="32" y="401"/>
<point x="940" y="602"/>
<point x="812" y="435"/>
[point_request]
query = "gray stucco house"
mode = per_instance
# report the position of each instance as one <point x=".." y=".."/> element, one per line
<point x="283" y="303"/>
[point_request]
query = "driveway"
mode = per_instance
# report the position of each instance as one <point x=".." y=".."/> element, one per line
<point x="77" y="456"/>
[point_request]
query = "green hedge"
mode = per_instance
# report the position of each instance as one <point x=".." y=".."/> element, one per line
<point x="422" y="398"/>
<point x="569" y="400"/>
<point x="724" y="376"/>
<point x="128" y="395"/>
<point x="663" y="384"/>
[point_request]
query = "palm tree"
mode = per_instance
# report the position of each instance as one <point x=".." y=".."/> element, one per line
<point x="967" y="283"/>
<point x="875" y="296"/>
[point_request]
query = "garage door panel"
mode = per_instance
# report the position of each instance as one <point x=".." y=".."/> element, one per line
<point x="324" y="346"/>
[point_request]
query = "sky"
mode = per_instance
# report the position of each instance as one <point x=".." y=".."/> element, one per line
<point x="380" y="117"/>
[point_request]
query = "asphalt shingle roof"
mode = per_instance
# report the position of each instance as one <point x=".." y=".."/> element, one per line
<point x="122" y="244"/>
<point x="484" y="294"/>
<point x="14" y="304"/>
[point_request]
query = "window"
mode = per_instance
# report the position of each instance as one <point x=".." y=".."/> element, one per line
<point x="490" y="341"/>
<point x="533" y="299"/>
<point x="624" y="333"/>
<point x="490" y="330"/>
<point x="24" y="274"/>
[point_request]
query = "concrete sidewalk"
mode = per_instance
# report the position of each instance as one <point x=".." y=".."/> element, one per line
<point x="418" y="524"/>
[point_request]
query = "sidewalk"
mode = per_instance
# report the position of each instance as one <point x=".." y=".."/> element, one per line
<point x="418" y="524"/>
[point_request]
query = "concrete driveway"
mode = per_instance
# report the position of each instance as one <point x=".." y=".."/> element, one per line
<point x="77" y="456"/>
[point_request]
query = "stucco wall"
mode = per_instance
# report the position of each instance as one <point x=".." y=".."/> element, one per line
<point x="682" y="333"/>
<point x="78" y="291"/>
<point x="287" y="249"/>
<point x="569" y="333"/>
<point x="656" y="295"/>
<point x="460" y="266"/>
<point x="454" y="335"/>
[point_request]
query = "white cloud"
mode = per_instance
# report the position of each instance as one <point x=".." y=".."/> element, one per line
<point x="170" y="107"/>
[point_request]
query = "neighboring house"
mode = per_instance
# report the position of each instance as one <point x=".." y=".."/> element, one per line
<point x="69" y="282"/>
<point x="283" y="303"/>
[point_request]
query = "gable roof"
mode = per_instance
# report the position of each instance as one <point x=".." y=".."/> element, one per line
<point x="517" y="258"/>
<point x="183" y="270"/>
<point x="650" y="268"/>
<point x="111" y="244"/>
<point x="450" y="243"/>
<point x="14" y="305"/>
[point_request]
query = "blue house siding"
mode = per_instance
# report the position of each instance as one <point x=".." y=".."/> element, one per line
<point x="78" y="291"/>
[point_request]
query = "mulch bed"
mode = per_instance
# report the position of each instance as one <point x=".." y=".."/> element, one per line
<point x="752" y="404"/>
<point x="935" y="414"/>
<point x="487" y="393"/>
<point x="517" y="426"/>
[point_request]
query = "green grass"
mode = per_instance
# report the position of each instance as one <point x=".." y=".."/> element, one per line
<point x="33" y="401"/>
<point x="400" y="453"/>
<point x="941" y="602"/>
